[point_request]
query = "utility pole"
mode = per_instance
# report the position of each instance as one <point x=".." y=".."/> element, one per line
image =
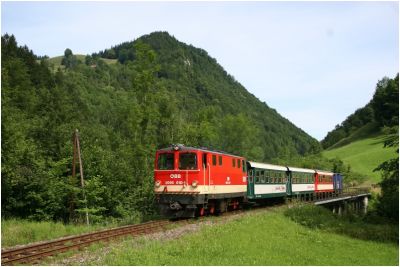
<point x="77" y="152"/>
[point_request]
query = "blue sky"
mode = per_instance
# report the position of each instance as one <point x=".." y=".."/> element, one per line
<point x="314" y="62"/>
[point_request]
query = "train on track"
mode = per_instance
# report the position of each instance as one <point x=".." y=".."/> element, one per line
<point x="192" y="182"/>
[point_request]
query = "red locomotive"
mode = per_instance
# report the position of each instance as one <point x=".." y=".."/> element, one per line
<point x="190" y="181"/>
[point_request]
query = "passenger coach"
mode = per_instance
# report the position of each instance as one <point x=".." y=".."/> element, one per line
<point x="324" y="181"/>
<point x="302" y="181"/>
<point x="267" y="181"/>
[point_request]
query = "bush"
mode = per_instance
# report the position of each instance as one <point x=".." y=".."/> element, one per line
<point x="351" y="224"/>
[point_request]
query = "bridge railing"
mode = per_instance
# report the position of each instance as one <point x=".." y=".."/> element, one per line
<point x="345" y="192"/>
<point x="353" y="191"/>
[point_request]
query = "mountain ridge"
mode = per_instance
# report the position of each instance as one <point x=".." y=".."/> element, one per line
<point x="163" y="43"/>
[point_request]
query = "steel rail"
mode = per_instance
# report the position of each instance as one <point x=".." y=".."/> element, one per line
<point x="26" y="254"/>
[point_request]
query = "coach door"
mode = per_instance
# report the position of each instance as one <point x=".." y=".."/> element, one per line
<point x="288" y="183"/>
<point x="206" y="172"/>
<point x="250" y="182"/>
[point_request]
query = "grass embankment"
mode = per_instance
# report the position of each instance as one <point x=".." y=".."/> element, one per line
<point x="363" y="156"/>
<point x="18" y="232"/>
<point x="270" y="238"/>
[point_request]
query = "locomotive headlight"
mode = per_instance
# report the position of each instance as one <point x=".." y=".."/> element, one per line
<point x="194" y="183"/>
<point x="158" y="183"/>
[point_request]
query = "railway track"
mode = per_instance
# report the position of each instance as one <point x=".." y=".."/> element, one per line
<point x="31" y="254"/>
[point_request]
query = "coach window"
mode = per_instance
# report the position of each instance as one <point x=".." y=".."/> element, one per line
<point x="187" y="161"/>
<point x="165" y="161"/>
<point x="238" y="163"/>
<point x="220" y="160"/>
<point x="233" y="162"/>
<point x="257" y="180"/>
<point x="214" y="160"/>
<point x="243" y="166"/>
<point x="262" y="177"/>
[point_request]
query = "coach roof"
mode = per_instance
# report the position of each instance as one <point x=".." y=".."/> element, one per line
<point x="267" y="166"/>
<point x="294" y="169"/>
<point x="324" y="172"/>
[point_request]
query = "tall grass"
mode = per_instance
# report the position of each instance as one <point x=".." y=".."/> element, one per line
<point x="350" y="224"/>
<point x="18" y="232"/>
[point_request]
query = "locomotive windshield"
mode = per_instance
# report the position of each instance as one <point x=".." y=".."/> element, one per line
<point x="187" y="161"/>
<point x="165" y="161"/>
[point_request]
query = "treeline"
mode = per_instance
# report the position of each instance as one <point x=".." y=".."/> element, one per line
<point x="380" y="115"/>
<point x="166" y="92"/>
<point x="381" y="111"/>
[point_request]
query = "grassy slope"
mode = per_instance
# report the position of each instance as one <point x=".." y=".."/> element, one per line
<point x="268" y="238"/>
<point x="55" y="62"/>
<point x="363" y="155"/>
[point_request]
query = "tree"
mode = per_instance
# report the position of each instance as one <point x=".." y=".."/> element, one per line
<point x="69" y="60"/>
<point x="386" y="102"/>
<point x="388" y="204"/>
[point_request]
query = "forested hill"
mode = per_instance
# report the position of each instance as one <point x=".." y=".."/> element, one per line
<point x="159" y="91"/>
<point x="201" y="86"/>
<point x="382" y="111"/>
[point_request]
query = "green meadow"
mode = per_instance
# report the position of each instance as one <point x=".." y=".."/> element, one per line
<point x="363" y="156"/>
<point x="269" y="238"/>
<point x="55" y="62"/>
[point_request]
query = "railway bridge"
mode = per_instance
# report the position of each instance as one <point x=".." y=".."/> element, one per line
<point x="348" y="200"/>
